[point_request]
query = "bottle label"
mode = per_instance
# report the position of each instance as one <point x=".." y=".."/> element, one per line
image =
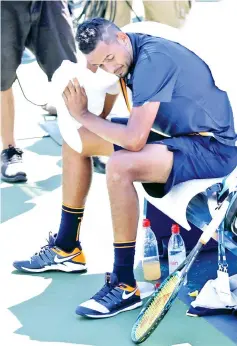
<point x="175" y="261"/>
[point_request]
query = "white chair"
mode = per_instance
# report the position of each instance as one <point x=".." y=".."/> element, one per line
<point x="195" y="201"/>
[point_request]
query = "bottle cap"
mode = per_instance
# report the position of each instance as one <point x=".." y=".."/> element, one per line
<point x="175" y="229"/>
<point x="146" y="223"/>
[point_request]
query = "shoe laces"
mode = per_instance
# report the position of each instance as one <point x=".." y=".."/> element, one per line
<point x="50" y="244"/>
<point x="108" y="291"/>
<point x="103" y="292"/>
<point x="13" y="155"/>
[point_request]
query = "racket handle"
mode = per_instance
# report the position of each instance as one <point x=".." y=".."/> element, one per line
<point x="215" y="223"/>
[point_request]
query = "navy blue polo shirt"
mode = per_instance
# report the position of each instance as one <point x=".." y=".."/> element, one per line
<point x="190" y="102"/>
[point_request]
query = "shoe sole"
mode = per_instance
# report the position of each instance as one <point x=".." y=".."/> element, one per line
<point x="132" y="307"/>
<point x="67" y="267"/>
<point x="17" y="179"/>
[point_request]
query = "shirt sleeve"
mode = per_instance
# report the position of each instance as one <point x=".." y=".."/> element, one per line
<point x="154" y="79"/>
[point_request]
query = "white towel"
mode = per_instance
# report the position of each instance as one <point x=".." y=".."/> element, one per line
<point x="96" y="86"/>
<point x="208" y="301"/>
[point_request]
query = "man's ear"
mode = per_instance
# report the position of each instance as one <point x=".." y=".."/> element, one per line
<point x="92" y="68"/>
<point x="122" y="37"/>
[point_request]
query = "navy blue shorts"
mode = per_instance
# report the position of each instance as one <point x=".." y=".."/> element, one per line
<point x="195" y="157"/>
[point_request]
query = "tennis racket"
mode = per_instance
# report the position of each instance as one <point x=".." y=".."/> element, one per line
<point x="162" y="299"/>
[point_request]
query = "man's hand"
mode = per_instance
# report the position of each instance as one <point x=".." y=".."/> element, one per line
<point x="75" y="99"/>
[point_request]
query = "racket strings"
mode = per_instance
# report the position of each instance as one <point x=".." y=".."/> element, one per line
<point x="156" y="307"/>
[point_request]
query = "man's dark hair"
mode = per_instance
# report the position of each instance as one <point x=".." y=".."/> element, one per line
<point x="94" y="30"/>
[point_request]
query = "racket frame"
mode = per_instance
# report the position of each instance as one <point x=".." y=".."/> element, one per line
<point x="181" y="271"/>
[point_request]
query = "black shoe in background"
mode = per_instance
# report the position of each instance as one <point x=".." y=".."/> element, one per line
<point x="12" y="170"/>
<point x="99" y="166"/>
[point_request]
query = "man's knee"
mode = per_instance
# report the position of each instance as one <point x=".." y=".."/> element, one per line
<point x="117" y="169"/>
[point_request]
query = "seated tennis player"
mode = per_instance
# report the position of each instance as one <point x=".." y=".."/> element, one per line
<point x="173" y="92"/>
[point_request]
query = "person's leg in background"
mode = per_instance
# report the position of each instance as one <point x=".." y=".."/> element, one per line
<point x="172" y="13"/>
<point x="122" y="14"/>
<point x="7" y="120"/>
<point x="15" y="19"/>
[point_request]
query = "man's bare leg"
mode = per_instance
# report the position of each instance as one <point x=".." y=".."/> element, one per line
<point x="152" y="164"/>
<point x="77" y="176"/>
<point x="64" y="252"/>
<point x="77" y="167"/>
<point x="7" y="118"/>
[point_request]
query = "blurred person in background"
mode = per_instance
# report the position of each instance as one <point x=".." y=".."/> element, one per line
<point x="45" y="28"/>
<point x="171" y="12"/>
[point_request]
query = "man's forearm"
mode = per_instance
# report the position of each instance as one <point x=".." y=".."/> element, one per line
<point x="114" y="133"/>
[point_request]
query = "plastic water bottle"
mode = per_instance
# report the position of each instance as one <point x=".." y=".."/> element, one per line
<point x="151" y="262"/>
<point x="176" y="249"/>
